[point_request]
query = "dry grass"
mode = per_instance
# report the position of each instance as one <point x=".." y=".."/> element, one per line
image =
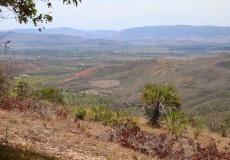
<point x="62" y="138"/>
<point x="204" y="138"/>
<point x="67" y="139"/>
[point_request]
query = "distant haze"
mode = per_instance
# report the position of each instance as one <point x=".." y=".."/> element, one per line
<point x="122" y="14"/>
<point x="137" y="35"/>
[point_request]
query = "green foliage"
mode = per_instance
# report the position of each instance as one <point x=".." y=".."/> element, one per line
<point x="80" y="113"/>
<point x="224" y="130"/>
<point x="225" y="127"/>
<point x="21" y="85"/>
<point x="50" y="93"/>
<point x="198" y="126"/>
<point x="175" y="121"/>
<point x="158" y="96"/>
<point x="128" y="120"/>
<point x="98" y="112"/>
<point x="105" y="115"/>
<point x="87" y="99"/>
<point x="26" y="10"/>
<point x="48" y="17"/>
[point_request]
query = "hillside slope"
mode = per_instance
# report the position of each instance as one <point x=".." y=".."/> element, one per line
<point x="62" y="138"/>
<point x="201" y="81"/>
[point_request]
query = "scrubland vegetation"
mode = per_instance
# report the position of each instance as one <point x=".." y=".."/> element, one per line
<point x="104" y="106"/>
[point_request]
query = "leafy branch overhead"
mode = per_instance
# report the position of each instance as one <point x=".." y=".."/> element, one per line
<point x="26" y="10"/>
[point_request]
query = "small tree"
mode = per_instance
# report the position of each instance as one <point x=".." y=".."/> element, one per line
<point x="175" y="121"/>
<point x="21" y="84"/>
<point x="158" y="97"/>
<point x="198" y="126"/>
<point x="51" y="93"/>
<point x="225" y="127"/>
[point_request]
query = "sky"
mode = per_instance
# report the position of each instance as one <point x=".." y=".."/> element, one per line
<point x="123" y="14"/>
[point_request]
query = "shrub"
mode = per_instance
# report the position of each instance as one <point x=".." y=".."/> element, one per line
<point x="97" y="112"/>
<point x="50" y="93"/>
<point x="80" y="113"/>
<point x="198" y="126"/>
<point x="223" y="130"/>
<point x="21" y="85"/>
<point x="175" y="122"/>
<point x="225" y="127"/>
<point x="103" y="114"/>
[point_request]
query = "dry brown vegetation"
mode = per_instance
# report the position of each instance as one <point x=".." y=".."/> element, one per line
<point x="50" y="130"/>
<point x="60" y="136"/>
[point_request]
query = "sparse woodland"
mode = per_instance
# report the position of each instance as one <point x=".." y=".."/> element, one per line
<point x="130" y="105"/>
<point x="178" y="134"/>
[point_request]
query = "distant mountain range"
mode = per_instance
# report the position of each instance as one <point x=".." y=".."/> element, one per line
<point x="97" y="34"/>
<point x="33" y="39"/>
<point x="174" y="32"/>
<point x="138" y="35"/>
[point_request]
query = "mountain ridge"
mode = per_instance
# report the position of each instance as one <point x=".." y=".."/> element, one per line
<point x="133" y="36"/>
<point x="167" y="31"/>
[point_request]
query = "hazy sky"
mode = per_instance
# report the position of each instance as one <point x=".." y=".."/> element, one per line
<point x="122" y="14"/>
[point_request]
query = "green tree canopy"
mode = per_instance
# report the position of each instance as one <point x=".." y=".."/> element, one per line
<point x="51" y="93"/>
<point x="158" y="97"/>
<point x="26" y="10"/>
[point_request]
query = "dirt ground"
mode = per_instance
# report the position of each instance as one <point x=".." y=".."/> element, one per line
<point x="64" y="139"/>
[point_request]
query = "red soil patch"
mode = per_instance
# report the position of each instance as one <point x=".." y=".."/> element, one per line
<point x="87" y="72"/>
<point x="84" y="73"/>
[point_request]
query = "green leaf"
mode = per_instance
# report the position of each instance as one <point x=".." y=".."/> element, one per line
<point x="48" y="17"/>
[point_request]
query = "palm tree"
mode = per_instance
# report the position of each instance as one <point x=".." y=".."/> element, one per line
<point x="158" y="97"/>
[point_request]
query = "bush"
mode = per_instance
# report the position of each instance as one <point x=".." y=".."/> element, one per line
<point x="50" y="93"/>
<point x="21" y="85"/>
<point x="80" y="113"/>
<point x="225" y="127"/>
<point x="175" y="122"/>
<point x="223" y="130"/>
<point x="198" y="126"/>
<point x="105" y="115"/>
